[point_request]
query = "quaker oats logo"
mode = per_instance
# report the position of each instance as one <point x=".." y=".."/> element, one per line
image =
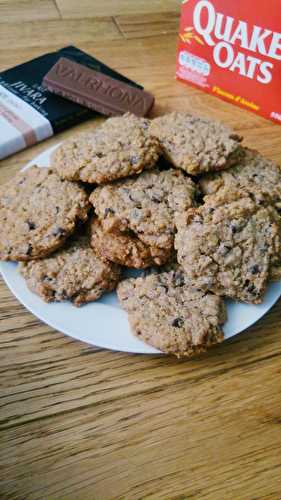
<point x="189" y="35"/>
<point x="233" y="41"/>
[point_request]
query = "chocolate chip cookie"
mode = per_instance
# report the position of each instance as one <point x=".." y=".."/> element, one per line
<point x="197" y="145"/>
<point x="73" y="273"/>
<point x="227" y="245"/>
<point x="165" y="311"/>
<point x="122" y="146"/>
<point x="275" y="263"/>
<point x="253" y="174"/>
<point x="144" y="205"/>
<point x="38" y="211"/>
<point x="125" y="248"/>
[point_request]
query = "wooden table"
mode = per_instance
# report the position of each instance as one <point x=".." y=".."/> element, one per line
<point x="79" y="422"/>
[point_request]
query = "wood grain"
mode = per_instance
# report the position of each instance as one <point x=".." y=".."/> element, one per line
<point x="72" y="8"/>
<point x="78" y="422"/>
<point x="148" y="25"/>
<point x="27" y="10"/>
<point x="49" y="33"/>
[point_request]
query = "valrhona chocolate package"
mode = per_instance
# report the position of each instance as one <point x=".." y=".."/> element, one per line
<point x="233" y="50"/>
<point x="29" y="113"/>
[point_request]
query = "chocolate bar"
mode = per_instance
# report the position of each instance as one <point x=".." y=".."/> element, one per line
<point x="95" y="90"/>
<point x="29" y="113"/>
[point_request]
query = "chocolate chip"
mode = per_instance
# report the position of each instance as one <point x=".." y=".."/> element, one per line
<point x="31" y="225"/>
<point x="233" y="229"/>
<point x="177" y="322"/>
<point x="99" y="155"/>
<point x="109" y="211"/>
<point x="155" y="199"/>
<point x="29" y="250"/>
<point x="138" y="205"/>
<point x="198" y="197"/>
<point x="255" y="269"/>
<point x="57" y="210"/>
<point x="251" y="289"/>
<point x="178" y="279"/>
<point x="46" y="278"/>
<point x="226" y="249"/>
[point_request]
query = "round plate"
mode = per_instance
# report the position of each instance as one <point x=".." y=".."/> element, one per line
<point x="103" y="323"/>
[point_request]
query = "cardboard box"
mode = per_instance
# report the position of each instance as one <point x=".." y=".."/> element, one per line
<point x="232" y="49"/>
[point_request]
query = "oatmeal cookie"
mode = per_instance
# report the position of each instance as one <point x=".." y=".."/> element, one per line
<point x="228" y="246"/>
<point x="144" y="205"/>
<point x="122" y="146"/>
<point x="38" y="211"/>
<point x="196" y="145"/>
<point x="166" y="312"/>
<point x="73" y="273"/>
<point x="254" y="175"/>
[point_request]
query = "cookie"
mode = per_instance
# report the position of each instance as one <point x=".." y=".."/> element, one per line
<point x="167" y="313"/>
<point x="227" y="246"/>
<point x="73" y="273"/>
<point x="253" y="174"/>
<point x="275" y="272"/>
<point x="197" y="145"/>
<point x="275" y="263"/>
<point x="125" y="248"/>
<point x="144" y="205"/>
<point x="38" y="211"/>
<point x="122" y="146"/>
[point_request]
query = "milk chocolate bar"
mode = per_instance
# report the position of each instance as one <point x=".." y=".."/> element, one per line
<point x="29" y="113"/>
<point x="95" y="90"/>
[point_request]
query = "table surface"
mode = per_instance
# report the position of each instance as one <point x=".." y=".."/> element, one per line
<point x="79" y="422"/>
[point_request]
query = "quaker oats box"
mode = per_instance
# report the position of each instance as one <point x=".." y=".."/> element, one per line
<point x="232" y="49"/>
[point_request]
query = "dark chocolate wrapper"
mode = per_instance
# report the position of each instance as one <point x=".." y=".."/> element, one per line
<point x="30" y="113"/>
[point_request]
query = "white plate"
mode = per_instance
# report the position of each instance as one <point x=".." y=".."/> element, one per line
<point x="104" y="323"/>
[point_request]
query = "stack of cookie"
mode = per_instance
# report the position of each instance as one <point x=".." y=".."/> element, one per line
<point x="178" y="196"/>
